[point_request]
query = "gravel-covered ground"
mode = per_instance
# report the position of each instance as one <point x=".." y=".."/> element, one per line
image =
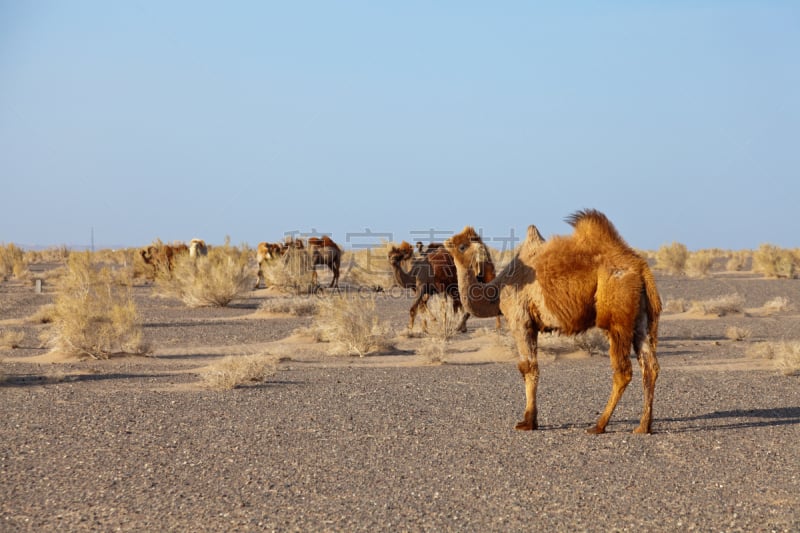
<point x="345" y="444"/>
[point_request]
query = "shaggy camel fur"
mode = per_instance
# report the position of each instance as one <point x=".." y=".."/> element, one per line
<point x="434" y="273"/>
<point x="570" y="284"/>
<point x="325" y="252"/>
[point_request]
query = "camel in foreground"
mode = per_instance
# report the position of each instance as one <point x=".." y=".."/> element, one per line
<point x="570" y="284"/>
<point x="434" y="273"/>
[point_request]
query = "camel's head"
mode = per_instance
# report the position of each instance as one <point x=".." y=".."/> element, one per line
<point x="400" y="253"/>
<point x="466" y="247"/>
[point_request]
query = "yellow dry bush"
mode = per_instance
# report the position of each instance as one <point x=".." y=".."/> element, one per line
<point x="738" y="260"/>
<point x="351" y="325"/>
<point x="774" y="262"/>
<point x="720" y="306"/>
<point x="214" y="280"/>
<point x="236" y="370"/>
<point x="11" y="339"/>
<point x="12" y="262"/>
<point x="786" y="355"/>
<point x="292" y="273"/>
<point x="672" y="258"/>
<point x="94" y="312"/>
<point x="698" y="264"/>
<point x="369" y="267"/>
<point x="736" y="333"/>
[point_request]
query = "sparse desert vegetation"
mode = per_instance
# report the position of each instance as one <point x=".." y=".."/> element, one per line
<point x="213" y="280"/>
<point x="351" y="325"/>
<point x="774" y="262"/>
<point x="94" y="314"/>
<point x="237" y="370"/>
<point x="257" y="377"/>
<point x="671" y="258"/>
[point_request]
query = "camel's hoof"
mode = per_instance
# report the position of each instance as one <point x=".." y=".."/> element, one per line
<point x="641" y="430"/>
<point x="594" y="430"/>
<point x="525" y="426"/>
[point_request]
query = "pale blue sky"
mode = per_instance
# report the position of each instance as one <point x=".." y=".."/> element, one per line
<point x="172" y="120"/>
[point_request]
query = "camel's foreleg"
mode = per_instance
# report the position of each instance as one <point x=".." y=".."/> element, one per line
<point x="620" y="347"/>
<point x="527" y="345"/>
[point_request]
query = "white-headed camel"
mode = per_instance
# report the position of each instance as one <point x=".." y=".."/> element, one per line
<point x="570" y="284"/>
<point x="435" y="273"/>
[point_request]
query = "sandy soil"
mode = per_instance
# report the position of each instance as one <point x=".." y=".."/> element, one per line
<point x="397" y="441"/>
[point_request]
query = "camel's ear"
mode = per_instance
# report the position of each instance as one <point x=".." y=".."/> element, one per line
<point x="534" y="236"/>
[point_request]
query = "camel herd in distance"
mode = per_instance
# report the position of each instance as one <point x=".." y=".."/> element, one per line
<point x="567" y="284"/>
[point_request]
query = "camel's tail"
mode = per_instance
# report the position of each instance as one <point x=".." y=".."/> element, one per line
<point x="653" y="302"/>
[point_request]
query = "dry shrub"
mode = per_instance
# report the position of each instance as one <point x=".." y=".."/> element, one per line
<point x="369" y="267"/>
<point x="59" y="254"/>
<point x="44" y="315"/>
<point x="737" y="261"/>
<point x="214" y="280"/>
<point x="292" y="272"/>
<point x="777" y="304"/>
<point x="736" y="333"/>
<point x="94" y="313"/>
<point x="774" y="262"/>
<point x="698" y="264"/>
<point x="12" y="262"/>
<point x="785" y="354"/>
<point x="720" y="306"/>
<point x="593" y="341"/>
<point x="236" y="370"/>
<point x="351" y="325"/>
<point x="291" y="305"/>
<point x="788" y="358"/>
<point x="672" y="258"/>
<point x="11" y="339"/>
<point x="442" y="327"/>
<point x="675" y="305"/>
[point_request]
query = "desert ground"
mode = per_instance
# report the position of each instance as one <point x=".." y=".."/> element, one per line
<point x="399" y="440"/>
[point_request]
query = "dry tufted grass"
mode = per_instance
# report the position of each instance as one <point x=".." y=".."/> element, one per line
<point x="237" y="370"/>
<point x="214" y="280"/>
<point x="352" y="326"/>
<point x="94" y="313"/>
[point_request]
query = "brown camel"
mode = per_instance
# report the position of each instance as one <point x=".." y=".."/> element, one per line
<point x="434" y="273"/>
<point x="162" y="257"/>
<point x="325" y="252"/>
<point x="570" y="284"/>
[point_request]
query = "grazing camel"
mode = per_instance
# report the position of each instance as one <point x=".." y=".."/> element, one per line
<point x="434" y="273"/>
<point x="325" y="252"/>
<point x="162" y="256"/>
<point x="569" y="284"/>
<point x="265" y="252"/>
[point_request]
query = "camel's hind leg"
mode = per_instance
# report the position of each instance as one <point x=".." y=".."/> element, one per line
<point x="620" y="348"/>
<point x="644" y="343"/>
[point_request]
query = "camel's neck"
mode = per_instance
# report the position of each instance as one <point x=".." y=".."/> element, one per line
<point x="479" y="299"/>
<point x="403" y="278"/>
